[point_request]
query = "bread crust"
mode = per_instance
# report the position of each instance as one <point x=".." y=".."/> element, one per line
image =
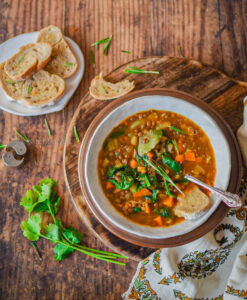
<point x="99" y="78"/>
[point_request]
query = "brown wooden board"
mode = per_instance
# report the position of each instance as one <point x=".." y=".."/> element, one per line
<point x="190" y="76"/>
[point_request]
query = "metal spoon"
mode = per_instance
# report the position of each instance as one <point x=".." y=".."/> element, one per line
<point x="231" y="200"/>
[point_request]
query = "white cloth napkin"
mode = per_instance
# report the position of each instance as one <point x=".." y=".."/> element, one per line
<point x="213" y="267"/>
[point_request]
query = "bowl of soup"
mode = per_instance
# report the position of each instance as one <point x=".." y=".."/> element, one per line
<point x="134" y="157"/>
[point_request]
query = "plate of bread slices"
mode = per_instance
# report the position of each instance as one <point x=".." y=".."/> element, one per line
<point x="39" y="72"/>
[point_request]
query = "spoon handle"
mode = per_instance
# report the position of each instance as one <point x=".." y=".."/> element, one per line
<point x="231" y="200"/>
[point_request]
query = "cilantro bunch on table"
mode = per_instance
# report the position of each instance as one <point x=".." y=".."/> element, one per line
<point x="43" y="198"/>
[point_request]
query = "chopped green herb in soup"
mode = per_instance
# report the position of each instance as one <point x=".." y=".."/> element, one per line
<point x="143" y="161"/>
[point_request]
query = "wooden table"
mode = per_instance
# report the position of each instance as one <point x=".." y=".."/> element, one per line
<point x="213" y="32"/>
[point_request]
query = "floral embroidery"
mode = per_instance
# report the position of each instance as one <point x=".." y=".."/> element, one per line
<point x="240" y="293"/>
<point x="236" y="234"/>
<point x="156" y="262"/>
<point x="181" y="296"/>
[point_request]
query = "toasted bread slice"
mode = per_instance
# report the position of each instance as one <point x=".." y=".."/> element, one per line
<point x="41" y="89"/>
<point x="50" y="34"/>
<point x="105" y="90"/>
<point x="63" y="62"/>
<point x="28" y="60"/>
<point x="193" y="204"/>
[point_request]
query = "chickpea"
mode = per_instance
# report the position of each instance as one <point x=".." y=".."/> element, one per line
<point x="134" y="140"/>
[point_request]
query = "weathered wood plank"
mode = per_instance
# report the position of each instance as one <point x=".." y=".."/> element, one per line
<point x="212" y="31"/>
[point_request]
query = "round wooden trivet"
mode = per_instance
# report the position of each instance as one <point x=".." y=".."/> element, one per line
<point x="224" y="94"/>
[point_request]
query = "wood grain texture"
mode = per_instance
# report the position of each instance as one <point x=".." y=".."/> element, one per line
<point x="213" y="31"/>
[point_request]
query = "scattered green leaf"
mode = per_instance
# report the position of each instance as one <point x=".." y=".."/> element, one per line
<point x="91" y="53"/>
<point x="2" y="146"/>
<point x="106" y="48"/>
<point x="11" y="81"/>
<point x="139" y="71"/>
<point x="126" y="51"/>
<point x="24" y="137"/>
<point x="20" y="59"/>
<point x="176" y="129"/>
<point x="28" y="90"/>
<point x="68" y="64"/>
<point x="48" y="127"/>
<point x="76" y="135"/>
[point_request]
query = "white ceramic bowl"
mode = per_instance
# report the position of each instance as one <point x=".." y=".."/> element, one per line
<point x="110" y="118"/>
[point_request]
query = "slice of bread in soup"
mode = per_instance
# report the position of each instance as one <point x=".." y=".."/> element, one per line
<point x="192" y="204"/>
<point x="28" y="60"/>
<point x="63" y="61"/>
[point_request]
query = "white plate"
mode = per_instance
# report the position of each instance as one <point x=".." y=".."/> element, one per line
<point x="9" y="48"/>
<point x="169" y="103"/>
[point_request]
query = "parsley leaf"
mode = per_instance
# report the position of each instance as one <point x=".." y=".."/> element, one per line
<point x="28" y="201"/>
<point x="32" y="227"/>
<point x="73" y="235"/>
<point x="61" y="252"/>
<point x="52" y="232"/>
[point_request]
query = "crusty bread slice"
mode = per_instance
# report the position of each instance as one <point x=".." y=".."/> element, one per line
<point x="105" y="90"/>
<point x="50" y="34"/>
<point x="28" y="60"/>
<point x="63" y="62"/>
<point x="41" y="89"/>
<point x="11" y="87"/>
<point x="193" y="204"/>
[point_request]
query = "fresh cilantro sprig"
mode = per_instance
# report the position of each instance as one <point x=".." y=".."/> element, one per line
<point x="44" y="198"/>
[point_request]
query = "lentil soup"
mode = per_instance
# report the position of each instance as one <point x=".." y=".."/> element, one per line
<point x="142" y="163"/>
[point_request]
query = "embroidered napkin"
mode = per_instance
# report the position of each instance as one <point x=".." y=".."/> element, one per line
<point x="213" y="267"/>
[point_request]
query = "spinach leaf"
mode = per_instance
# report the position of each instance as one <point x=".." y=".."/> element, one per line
<point x="154" y="196"/>
<point x="125" y="182"/>
<point x="136" y="209"/>
<point x="165" y="213"/>
<point x="153" y="180"/>
<point x="172" y="164"/>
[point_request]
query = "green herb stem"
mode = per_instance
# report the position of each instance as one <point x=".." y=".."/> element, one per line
<point x="20" y="59"/>
<point x="91" y="53"/>
<point x="36" y="250"/>
<point x="100" y="257"/>
<point x="176" y="129"/>
<point x="139" y="71"/>
<point x="100" y="42"/>
<point x="28" y="90"/>
<point x="126" y="51"/>
<point x="24" y="137"/>
<point x="106" y="48"/>
<point x="48" y="127"/>
<point x="68" y="64"/>
<point x="76" y="135"/>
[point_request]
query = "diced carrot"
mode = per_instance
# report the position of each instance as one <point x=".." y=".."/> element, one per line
<point x="190" y="156"/>
<point x="141" y="169"/>
<point x="133" y="163"/>
<point x="158" y="220"/>
<point x="147" y="208"/>
<point x="142" y="192"/>
<point x="179" y="158"/>
<point x="168" y="201"/>
<point x="117" y="191"/>
<point x="180" y="144"/>
<point x="109" y="185"/>
<point x="163" y="139"/>
<point x="198" y="159"/>
<point x="150" y="154"/>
